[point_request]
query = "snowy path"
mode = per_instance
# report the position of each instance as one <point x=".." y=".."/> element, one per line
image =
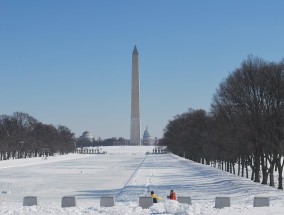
<point x="130" y="190"/>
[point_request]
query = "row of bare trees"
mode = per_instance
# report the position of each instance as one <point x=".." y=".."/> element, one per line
<point x="23" y="136"/>
<point x="245" y="125"/>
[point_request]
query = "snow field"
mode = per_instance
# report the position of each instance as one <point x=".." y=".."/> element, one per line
<point x="127" y="173"/>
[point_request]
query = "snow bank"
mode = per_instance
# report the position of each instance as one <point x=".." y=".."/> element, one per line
<point x="172" y="207"/>
<point x="129" y="208"/>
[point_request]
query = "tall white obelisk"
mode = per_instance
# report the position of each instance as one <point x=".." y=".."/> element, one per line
<point x="135" y="101"/>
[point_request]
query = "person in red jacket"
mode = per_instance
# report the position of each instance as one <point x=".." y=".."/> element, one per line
<point x="172" y="196"/>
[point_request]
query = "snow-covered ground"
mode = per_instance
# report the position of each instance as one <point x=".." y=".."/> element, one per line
<point x="127" y="173"/>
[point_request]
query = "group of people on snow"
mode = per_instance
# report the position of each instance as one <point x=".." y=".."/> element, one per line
<point x="156" y="198"/>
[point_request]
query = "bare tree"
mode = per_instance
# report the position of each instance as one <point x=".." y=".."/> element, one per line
<point x="245" y="124"/>
<point x="21" y="135"/>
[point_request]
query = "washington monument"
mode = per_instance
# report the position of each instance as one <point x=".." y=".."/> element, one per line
<point x="135" y="101"/>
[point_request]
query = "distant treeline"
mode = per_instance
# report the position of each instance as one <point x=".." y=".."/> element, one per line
<point x="21" y="136"/>
<point x="244" y="126"/>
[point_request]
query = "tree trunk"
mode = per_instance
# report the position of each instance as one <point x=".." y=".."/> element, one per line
<point x="271" y="160"/>
<point x="264" y="170"/>
<point x="280" y="179"/>
<point x="257" y="168"/>
<point x="280" y="170"/>
<point x="228" y="166"/>
<point x="8" y="156"/>
<point x="264" y="176"/>
<point x="271" y="175"/>
<point x="239" y="166"/>
<point x="252" y="173"/>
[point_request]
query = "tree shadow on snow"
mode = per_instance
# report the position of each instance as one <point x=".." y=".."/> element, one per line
<point x="90" y="194"/>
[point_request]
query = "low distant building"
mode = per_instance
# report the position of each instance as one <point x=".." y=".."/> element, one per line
<point x="85" y="140"/>
<point x="121" y="142"/>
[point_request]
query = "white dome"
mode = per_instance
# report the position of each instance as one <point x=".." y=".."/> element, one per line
<point x="147" y="140"/>
<point x="87" y="136"/>
<point x="146" y="134"/>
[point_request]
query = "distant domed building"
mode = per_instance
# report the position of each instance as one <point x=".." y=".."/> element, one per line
<point x="87" y="136"/>
<point x="147" y="140"/>
<point x="86" y="139"/>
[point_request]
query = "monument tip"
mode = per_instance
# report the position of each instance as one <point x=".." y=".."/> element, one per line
<point x="135" y="51"/>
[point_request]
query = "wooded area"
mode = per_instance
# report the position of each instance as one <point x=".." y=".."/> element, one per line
<point x="244" y="126"/>
<point x="23" y="136"/>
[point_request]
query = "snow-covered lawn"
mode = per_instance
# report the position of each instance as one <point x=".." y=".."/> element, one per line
<point x="127" y="173"/>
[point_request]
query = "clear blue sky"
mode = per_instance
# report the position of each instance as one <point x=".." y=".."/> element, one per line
<point x="69" y="62"/>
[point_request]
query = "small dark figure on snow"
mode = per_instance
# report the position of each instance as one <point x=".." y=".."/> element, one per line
<point x="172" y="196"/>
